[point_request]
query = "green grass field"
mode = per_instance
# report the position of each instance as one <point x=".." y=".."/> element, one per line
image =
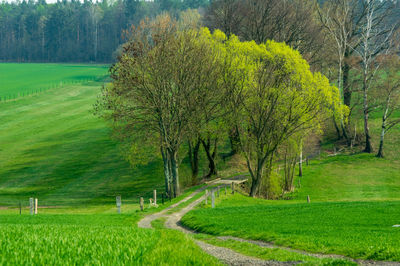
<point x="97" y="239"/>
<point x="356" y="229"/>
<point x="54" y="148"/>
<point x="18" y="80"/>
<point x="355" y="201"/>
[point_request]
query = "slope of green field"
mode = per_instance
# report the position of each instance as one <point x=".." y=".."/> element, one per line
<point x="18" y="80"/>
<point x="356" y="229"/>
<point x="52" y="147"/>
<point x="355" y="201"/>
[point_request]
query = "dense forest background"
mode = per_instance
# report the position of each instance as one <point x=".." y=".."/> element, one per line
<point x="74" y="31"/>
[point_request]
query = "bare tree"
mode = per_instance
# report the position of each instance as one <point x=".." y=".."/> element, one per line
<point x="389" y="89"/>
<point x="375" y="40"/>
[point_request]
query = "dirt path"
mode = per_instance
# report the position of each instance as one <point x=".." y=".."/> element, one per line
<point x="227" y="255"/>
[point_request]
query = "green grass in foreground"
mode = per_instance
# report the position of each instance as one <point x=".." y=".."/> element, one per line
<point x="98" y="239"/>
<point x="357" y="229"/>
<point x="94" y="237"/>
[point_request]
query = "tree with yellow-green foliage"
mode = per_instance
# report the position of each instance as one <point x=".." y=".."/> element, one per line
<point x="276" y="98"/>
<point x="172" y="84"/>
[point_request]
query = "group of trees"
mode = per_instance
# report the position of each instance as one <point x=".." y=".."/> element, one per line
<point x="175" y="83"/>
<point x="178" y="85"/>
<point x="345" y="39"/>
<point x="364" y="38"/>
<point x="73" y="31"/>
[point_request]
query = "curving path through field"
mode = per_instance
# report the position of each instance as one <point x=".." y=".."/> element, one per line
<point x="227" y="255"/>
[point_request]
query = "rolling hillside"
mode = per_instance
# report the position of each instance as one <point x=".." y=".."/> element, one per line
<point x="54" y="148"/>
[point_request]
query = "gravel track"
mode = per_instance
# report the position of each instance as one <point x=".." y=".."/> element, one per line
<point x="227" y="255"/>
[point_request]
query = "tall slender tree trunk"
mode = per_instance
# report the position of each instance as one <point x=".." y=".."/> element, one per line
<point x="211" y="156"/>
<point x="346" y="74"/>
<point x="194" y="159"/>
<point x="368" y="145"/>
<point x="383" y="131"/>
<point x="339" y="136"/>
<point x="301" y="159"/>
<point x="167" y="171"/>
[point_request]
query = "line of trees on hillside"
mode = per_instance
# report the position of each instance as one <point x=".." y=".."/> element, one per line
<point x="74" y="31"/>
<point x="176" y="82"/>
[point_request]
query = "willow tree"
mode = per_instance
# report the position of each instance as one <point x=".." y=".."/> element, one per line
<point x="282" y="97"/>
<point x="159" y="85"/>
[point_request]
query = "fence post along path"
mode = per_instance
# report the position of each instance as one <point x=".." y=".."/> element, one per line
<point x="213" y="198"/>
<point x="141" y="204"/>
<point x="118" y="199"/>
<point x="31" y="205"/>
<point x="36" y="206"/>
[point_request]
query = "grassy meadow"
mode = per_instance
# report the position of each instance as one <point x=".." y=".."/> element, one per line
<point x="54" y="148"/>
<point x="360" y="230"/>
<point x="19" y="80"/>
<point x="355" y="201"/>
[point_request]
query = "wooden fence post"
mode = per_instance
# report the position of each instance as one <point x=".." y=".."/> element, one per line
<point x="36" y="206"/>
<point x="31" y="205"/>
<point x="218" y="191"/>
<point x="155" y="196"/>
<point x="141" y="202"/>
<point x="308" y="198"/>
<point x="212" y="198"/>
<point x="118" y="199"/>
<point x="233" y="188"/>
<point x="206" y="196"/>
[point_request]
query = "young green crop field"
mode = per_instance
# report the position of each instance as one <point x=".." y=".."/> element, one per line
<point x="93" y="239"/>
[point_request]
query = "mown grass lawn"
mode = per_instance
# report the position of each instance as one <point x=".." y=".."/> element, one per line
<point x="357" y="229"/>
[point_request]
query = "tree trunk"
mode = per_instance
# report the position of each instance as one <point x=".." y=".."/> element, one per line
<point x="194" y="159"/>
<point x="339" y="136"/>
<point x="346" y="73"/>
<point x="255" y="183"/>
<point x="380" y="151"/>
<point x="344" y="131"/>
<point x="301" y="159"/>
<point x="384" y="117"/>
<point x="175" y="172"/>
<point x="256" y="179"/>
<point x="368" y="145"/>
<point x="167" y="172"/>
<point x="212" y="167"/>
<point x="234" y="139"/>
